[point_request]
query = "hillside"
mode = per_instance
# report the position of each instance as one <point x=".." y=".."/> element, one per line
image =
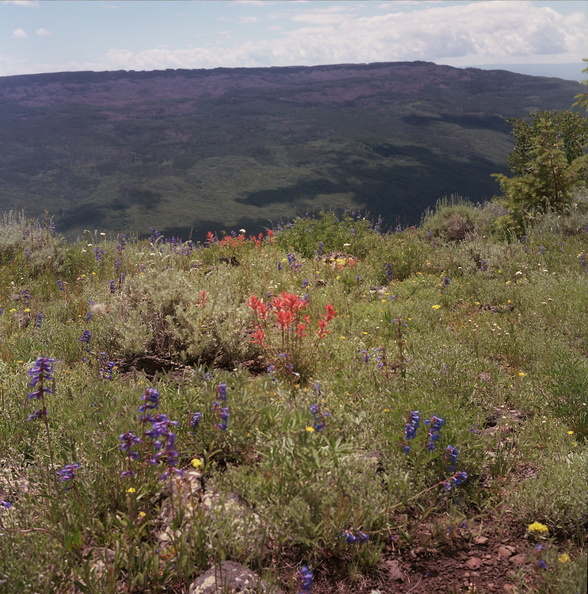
<point x="335" y="409"/>
<point x="195" y="150"/>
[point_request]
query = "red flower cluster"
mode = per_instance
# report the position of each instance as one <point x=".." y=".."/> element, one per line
<point x="287" y="309"/>
<point x="238" y="240"/>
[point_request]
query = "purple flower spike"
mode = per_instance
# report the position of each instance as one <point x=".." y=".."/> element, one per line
<point x="435" y="424"/>
<point x="413" y="423"/>
<point x="151" y="399"/>
<point x="305" y="580"/>
<point x="68" y="472"/>
<point x="195" y="419"/>
<point x="40" y="374"/>
<point x="221" y="391"/>
<point x="451" y="454"/>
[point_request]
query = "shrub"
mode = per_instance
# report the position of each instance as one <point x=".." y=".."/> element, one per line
<point x="454" y="218"/>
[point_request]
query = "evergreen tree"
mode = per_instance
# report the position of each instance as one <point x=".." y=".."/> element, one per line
<point x="548" y="162"/>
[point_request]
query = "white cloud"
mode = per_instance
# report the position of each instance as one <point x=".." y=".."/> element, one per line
<point x="19" y="34"/>
<point x="480" y="32"/>
<point x="43" y="32"/>
<point x="22" y="2"/>
<point x="326" y="15"/>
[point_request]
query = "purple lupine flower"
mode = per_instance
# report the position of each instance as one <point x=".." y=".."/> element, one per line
<point x="160" y="426"/>
<point x="128" y="440"/>
<point x="112" y="285"/>
<point x="366" y="356"/>
<point x="352" y="536"/>
<point x="435" y="424"/>
<point x="39" y="320"/>
<point x="224" y="414"/>
<point x="68" y="472"/>
<point x="25" y="295"/>
<point x="108" y="369"/>
<point x="221" y="391"/>
<point x="151" y="399"/>
<point x="5" y="504"/>
<point x="454" y="481"/>
<point x="413" y="423"/>
<point x="60" y="285"/>
<point x="319" y="416"/>
<point x="451" y="454"/>
<point x="85" y="337"/>
<point x="305" y="579"/>
<point x="98" y="255"/>
<point x="389" y="273"/>
<point x="195" y="419"/>
<point x="40" y="374"/>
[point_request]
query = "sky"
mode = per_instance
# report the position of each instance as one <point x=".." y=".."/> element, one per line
<point x="547" y="38"/>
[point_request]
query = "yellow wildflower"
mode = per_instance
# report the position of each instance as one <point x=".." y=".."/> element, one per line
<point x="131" y="490"/>
<point x="310" y="429"/>
<point x="570" y="433"/>
<point x="142" y="514"/>
<point x="436" y="306"/>
<point x="538" y="527"/>
<point x="564" y="558"/>
<point x="196" y="463"/>
<point x="522" y="374"/>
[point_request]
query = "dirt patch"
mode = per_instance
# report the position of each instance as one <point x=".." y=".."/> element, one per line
<point x="481" y="559"/>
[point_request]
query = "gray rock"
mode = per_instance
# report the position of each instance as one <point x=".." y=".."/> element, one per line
<point x="231" y="578"/>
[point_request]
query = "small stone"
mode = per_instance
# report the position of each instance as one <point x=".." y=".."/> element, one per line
<point x="395" y="571"/>
<point x="504" y="552"/>
<point x="481" y="540"/>
<point x="473" y="562"/>
<point x="518" y="560"/>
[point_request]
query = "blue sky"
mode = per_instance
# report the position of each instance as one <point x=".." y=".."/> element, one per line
<point x="68" y="35"/>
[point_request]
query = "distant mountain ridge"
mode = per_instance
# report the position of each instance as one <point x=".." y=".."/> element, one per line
<point x="189" y="151"/>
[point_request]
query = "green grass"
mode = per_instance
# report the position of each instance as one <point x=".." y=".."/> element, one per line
<point x="487" y="334"/>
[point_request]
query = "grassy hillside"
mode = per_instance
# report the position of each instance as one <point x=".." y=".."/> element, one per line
<point x="231" y="148"/>
<point x="398" y="412"/>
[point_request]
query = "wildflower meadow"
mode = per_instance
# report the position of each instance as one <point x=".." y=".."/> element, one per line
<point x="335" y="406"/>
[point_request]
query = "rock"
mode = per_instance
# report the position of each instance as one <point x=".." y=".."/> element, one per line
<point x="518" y="560"/>
<point x="394" y="571"/>
<point x="481" y="540"/>
<point x="504" y="552"/>
<point x="473" y="562"/>
<point x="229" y="578"/>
